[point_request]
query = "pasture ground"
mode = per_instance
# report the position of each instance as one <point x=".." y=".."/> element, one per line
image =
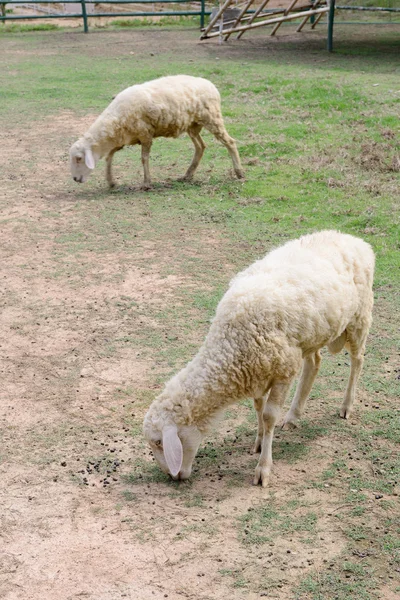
<point x="105" y="294"/>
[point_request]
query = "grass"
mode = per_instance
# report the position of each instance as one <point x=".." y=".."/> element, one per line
<point x="263" y="524"/>
<point x="318" y="136"/>
<point x="25" y="27"/>
<point x="148" y="22"/>
<point x="350" y="582"/>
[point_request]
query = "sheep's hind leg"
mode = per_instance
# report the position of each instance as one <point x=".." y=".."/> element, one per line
<point x="109" y="175"/>
<point x="199" y="147"/>
<point x="146" y="147"/>
<point x="259" y="407"/>
<point x="311" y="366"/>
<point x="356" y="349"/>
<point x="222" y="135"/>
<point x="271" y="413"/>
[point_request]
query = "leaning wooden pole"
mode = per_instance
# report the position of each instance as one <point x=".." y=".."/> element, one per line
<point x="304" y="21"/>
<point x="287" y="11"/>
<point x="254" y="16"/>
<point x="215" y="19"/>
<point x="240" y="15"/>
<point x="317" y="20"/>
<point x="298" y="15"/>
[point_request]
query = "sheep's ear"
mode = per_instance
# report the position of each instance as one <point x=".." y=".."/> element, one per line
<point x="89" y="158"/>
<point x="173" y="451"/>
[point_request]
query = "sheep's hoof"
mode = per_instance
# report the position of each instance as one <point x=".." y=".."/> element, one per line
<point x="239" y="174"/>
<point x="145" y="187"/>
<point x="345" y="412"/>
<point x="261" y="476"/>
<point x="111" y="184"/>
<point x="290" y="422"/>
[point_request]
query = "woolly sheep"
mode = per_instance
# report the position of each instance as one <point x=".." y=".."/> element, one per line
<point x="276" y="316"/>
<point x="165" y="107"/>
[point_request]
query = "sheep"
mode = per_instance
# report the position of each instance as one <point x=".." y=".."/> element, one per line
<point x="276" y="316"/>
<point x="165" y="107"/>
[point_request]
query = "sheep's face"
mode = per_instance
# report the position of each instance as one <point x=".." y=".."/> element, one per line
<point x="82" y="161"/>
<point x="174" y="447"/>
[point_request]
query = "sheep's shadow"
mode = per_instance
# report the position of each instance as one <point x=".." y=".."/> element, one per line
<point x="232" y="455"/>
<point x="128" y="189"/>
<point x="229" y="459"/>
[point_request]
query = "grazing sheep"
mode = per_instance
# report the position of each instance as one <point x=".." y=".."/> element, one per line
<point x="165" y="107"/>
<point x="276" y="315"/>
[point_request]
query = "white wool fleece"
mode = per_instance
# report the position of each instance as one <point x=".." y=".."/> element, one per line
<point x="276" y="315"/>
<point x="165" y="107"/>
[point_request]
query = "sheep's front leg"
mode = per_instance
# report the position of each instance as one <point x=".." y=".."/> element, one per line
<point x="109" y="175"/>
<point x="310" y="370"/>
<point x="271" y="413"/>
<point x="146" y="147"/>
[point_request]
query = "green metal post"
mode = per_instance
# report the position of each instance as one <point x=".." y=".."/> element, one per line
<point x="330" y="25"/>
<point x="203" y="8"/>
<point x="84" y="15"/>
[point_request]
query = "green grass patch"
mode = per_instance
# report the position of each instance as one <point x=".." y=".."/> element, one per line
<point x="25" y="27"/>
<point x="259" y="525"/>
<point x="148" y="22"/>
<point x="351" y="581"/>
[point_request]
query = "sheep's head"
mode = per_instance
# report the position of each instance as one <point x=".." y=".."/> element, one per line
<point x="174" y="446"/>
<point x="82" y="161"/>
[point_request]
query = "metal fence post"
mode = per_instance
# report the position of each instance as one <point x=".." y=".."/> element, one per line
<point x="84" y="16"/>
<point x="202" y="16"/>
<point x="330" y="25"/>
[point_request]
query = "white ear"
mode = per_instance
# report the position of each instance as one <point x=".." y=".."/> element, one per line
<point x="173" y="451"/>
<point x="89" y="158"/>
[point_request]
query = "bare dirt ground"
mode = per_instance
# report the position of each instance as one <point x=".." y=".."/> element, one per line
<point x="81" y="517"/>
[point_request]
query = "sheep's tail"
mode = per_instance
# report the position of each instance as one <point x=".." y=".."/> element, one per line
<point x="338" y="344"/>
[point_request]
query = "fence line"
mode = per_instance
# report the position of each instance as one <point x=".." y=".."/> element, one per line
<point x="84" y="15"/>
<point x="201" y="12"/>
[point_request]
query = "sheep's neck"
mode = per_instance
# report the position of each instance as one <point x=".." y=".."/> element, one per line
<point x="104" y="136"/>
<point x="209" y="388"/>
<point x="100" y="146"/>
